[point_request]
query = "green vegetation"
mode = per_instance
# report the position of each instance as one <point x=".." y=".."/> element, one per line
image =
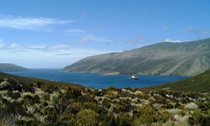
<point x="199" y="83"/>
<point x="6" y="67"/>
<point x="166" y="58"/>
<point x="28" y="101"/>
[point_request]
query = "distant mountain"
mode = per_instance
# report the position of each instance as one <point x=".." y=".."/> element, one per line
<point x="165" y="58"/>
<point x="199" y="83"/>
<point x="6" y="67"/>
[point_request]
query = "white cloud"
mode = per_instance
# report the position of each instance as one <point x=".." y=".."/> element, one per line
<point x="75" y="31"/>
<point x="85" y="39"/>
<point x="37" y="46"/>
<point x="58" y="47"/>
<point x="44" y="56"/>
<point x="14" y="45"/>
<point x="29" y="23"/>
<point x="1" y="43"/>
<point x="169" y="40"/>
<point x="92" y="38"/>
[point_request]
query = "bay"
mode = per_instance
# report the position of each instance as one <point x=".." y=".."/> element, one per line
<point x="97" y="81"/>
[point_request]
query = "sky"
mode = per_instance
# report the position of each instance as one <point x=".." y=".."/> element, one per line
<point x="57" y="33"/>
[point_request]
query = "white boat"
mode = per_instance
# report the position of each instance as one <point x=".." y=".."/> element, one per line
<point x="133" y="77"/>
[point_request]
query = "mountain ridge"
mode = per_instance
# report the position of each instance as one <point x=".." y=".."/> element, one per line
<point x="165" y="58"/>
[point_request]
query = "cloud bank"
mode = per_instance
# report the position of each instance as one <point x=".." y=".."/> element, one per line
<point x="29" y="23"/>
<point x="75" y="31"/>
<point x="92" y="38"/>
<point x="46" y="56"/>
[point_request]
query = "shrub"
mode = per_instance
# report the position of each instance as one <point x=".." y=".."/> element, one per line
<point x="49" y="88"/>
<point x="1" y="80"/>
<point x="106" y="103"/>
<point x="86" y="98"/>
<point x="124" y="120"/>
<point x="65" y="120"/>
<point x="6" y="120"/>
<point x="200" y="118"/>
<point x="148" y="115"/>
<point x="97" y="93"/>
<point x="89" y="105"/>
<point x="143" y="96"/>
<point x="107" y="120"/>
<point x="113" y="89"/>
<point x="13" y="95"/>
<point x="163" y="92"/>
<point x="204" y="106"/>
<point x="73" y="93"/>
<point x="28" y="87"/>
<point x="121" y="108"/>
<point x="111" y="94"/>
<point x="51" y="114"/>
<point x="28" y="99"/>
<point x="167" y="106"/>
<point x="39" y="84"/>
<point x="86" y="117"/>
<point x="75" y="108"/>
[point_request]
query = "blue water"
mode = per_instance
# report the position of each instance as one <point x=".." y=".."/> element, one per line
<point x="97" y="81"/>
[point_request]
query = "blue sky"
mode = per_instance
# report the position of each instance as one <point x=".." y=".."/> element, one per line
<point x="56" y="33"/>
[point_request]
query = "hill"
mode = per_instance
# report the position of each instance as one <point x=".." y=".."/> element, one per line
<point x="26" y="102"/>
<point x="165" y="58"/>
<point x="6" y="67"/>
<point x="199" y="83"/>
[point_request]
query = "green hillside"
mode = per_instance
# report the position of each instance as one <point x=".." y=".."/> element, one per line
<point x="29" y="102"/>
<point x="199" y="83"/>
<point x="166" y="58"/>
<point x="6" y="67"/>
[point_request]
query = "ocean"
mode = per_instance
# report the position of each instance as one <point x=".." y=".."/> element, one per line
<point x="98" y="81"/>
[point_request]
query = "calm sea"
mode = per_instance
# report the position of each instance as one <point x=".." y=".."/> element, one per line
<point x="97" y="81"/>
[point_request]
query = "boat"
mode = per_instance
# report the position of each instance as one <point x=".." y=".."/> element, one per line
<point x="133" y="77"/>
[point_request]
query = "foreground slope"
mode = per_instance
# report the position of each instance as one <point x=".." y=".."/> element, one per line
<point x="6" y="67"/>
<point x="166" y="58"/>
<point x="33" y="103"/>
<point x="199" y="83"/>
